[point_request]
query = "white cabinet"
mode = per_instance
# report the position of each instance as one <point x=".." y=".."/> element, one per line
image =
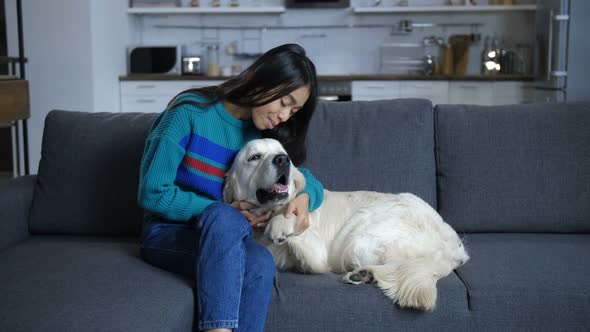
<point x="507" y="93"/>
<point x="153" y="96"/>
<point x="436" y="91"/>
<point x="487" y="93"/>
<point x="471" y="93"/>
<point x="375" y="90"/>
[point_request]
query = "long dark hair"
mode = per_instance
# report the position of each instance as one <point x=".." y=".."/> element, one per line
<point x="275" y="74"/>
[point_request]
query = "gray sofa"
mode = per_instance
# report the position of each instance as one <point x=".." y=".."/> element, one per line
<point x="513" y="180"/>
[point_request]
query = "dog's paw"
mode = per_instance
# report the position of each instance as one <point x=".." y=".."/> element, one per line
<point x="280" y="228"/>
<point x="358" y="276"/>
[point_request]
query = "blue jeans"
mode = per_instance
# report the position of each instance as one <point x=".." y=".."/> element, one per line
<point x="233" y="273"/>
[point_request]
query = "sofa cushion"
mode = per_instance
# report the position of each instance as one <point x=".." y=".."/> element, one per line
<point x="51" y="283"/>
<point x="533" y="282"/>
<point x="516" y="168"/>
<point x="88" y="174"/>
<point x="324" y="304"/>
<point x="385" y="146"/>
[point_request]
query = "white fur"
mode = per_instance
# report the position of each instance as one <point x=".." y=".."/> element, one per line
<point x="398" y="238"/>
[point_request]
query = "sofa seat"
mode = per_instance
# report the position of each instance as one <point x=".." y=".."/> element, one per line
<point x="61" y="283"/>
<point x="323" y="303"/>
<point x="533" y="282"/>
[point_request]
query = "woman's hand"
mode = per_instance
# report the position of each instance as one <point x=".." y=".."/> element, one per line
<point x="300" y="208"/>
<point x="257" y="222"/>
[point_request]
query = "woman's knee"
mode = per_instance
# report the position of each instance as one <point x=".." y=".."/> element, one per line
<point x="221" y="218"/>
<point x="260" y="264"/>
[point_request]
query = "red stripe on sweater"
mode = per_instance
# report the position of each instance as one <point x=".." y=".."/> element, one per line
<point x="204" y="167"/>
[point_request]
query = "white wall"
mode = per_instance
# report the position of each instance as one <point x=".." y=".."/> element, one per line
<point x="75" y="57"/>
<point x="109" y="31"/>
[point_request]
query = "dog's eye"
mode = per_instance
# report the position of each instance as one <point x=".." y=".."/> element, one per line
<point x="254" y="157"/>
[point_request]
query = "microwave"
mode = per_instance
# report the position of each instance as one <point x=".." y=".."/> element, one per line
<point x="317" y="3"/>
<point x="154" y="59"/>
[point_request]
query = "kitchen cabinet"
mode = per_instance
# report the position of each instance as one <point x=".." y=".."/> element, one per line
<point x="473" y="93"/>
<point x="205" y="10"/>
<point x="506" y="93"/>
<point x="436" y="91"/>
<point x="153" y="96"/>
<point x="375" y="90"/>
<point x="443" y="9"/>
<point x="487" y="93"/>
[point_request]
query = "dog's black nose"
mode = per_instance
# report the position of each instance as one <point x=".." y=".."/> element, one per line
<point x="281" y="160"/>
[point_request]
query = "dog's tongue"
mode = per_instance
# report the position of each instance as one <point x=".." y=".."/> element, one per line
<point x="280" y="188"/>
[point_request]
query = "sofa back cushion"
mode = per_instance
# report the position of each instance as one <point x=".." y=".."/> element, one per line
<point x="88" y="174"/>
<point x="516" y="168"/>
<point x="385" y="146"/>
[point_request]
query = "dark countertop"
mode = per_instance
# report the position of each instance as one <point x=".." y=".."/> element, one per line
<point x="367" y="77"/>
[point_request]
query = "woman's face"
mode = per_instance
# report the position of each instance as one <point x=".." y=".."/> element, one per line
<point x="280" y="110"/>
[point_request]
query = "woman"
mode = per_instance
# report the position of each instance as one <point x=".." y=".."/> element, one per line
<point x="187" y="228"/>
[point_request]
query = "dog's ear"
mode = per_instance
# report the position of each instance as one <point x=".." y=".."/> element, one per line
<point x="229" y="185"/>
<point x="299" y="180"/>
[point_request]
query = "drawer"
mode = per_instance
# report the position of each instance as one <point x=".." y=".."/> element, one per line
<point x="199" y="84"/>
<point x="161" y="88"/>
<point x="409" y="88"/>
<point x="144" y="104"/>
<point x="436" y="92"/>
<point x="502" y="89"/>
<point x="507" y="93"/>
<point x="369" y="98"/>
<point x="471" y="93"/>
<point x="379" y="89"/>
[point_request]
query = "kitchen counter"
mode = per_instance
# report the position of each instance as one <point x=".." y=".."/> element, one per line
<point x="366" y="77"/>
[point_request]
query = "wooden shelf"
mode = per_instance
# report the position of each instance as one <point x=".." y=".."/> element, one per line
<point x="440" y="9"/>
<point x="205" y="10"/>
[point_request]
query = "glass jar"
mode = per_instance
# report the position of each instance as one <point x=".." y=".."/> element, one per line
<point x="213" y="60"/>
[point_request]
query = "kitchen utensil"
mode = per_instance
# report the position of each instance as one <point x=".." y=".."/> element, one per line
<point x="447" y="60"/>
<point x="460" y="47"/>
<point x="402" y="58"/>
<point x="430" y="65"/>
<point x="191" y="65"/>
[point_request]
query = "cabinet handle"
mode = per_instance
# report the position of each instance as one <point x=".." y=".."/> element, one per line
<point x="471" y="87"/>
<point x="146" y="101"/>
<point x="380" y="87"/>
<point x="146" y="86"/>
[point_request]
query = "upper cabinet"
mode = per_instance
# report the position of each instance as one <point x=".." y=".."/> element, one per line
<point x="355" y="7"/>
<point x="442" y="9"/>
<point x="206" y="10"/>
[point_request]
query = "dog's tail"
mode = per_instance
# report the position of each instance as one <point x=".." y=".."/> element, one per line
<point x="411" y="283"/>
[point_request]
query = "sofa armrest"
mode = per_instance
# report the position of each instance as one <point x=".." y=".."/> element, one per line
<point x="16" y="196"/>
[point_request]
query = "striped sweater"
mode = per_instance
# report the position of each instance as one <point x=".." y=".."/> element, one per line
<point x="186" y="155"/>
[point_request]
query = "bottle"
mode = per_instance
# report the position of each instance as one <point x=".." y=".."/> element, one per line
<point x="484" y="55"/>
<point x="213" y="60"/>
<point x="496" y="51"/>
<point x="447" y="67"/>
<point x="490" y="62"/>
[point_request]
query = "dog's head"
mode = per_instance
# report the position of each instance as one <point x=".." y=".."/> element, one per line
<point x="262" y="174"/>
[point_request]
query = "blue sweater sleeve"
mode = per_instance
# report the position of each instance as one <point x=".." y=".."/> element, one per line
<point x="158" y="191"/>
<point x="313" y="188"/>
